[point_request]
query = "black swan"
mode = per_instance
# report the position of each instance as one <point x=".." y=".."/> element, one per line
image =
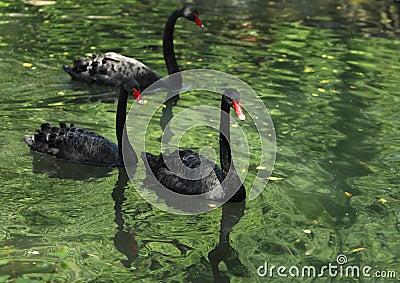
<point x="210" y="185"/>
<point x="112" y="69"/>
<point x="84" y="146"/>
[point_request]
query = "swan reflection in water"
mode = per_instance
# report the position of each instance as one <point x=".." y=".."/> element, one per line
<point x="124" y="239"/>
<point x="126" y="243"/>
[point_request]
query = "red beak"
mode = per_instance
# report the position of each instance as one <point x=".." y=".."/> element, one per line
<point x="136" y="94"/>
<point x="239" y="111"/>
<point x="198" y="22"/>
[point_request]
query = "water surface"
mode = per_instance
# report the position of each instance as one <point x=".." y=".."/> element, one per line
<point x="327" y="71"/>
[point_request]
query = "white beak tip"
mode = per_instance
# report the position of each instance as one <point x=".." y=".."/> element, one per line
<point x="242" y="117"/>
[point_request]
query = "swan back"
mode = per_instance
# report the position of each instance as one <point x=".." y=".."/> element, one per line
<point x="199" y="181"/>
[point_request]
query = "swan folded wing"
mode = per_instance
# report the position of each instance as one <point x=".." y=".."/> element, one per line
<point x="88" y="149"/>
<point x="74" y="145"/>
<point x="199" y="183"/>
<point x="121" y="58"/>
<point x="112" y="69"/>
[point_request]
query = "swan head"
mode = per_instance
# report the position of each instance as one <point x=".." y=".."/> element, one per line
<point x="132" y="87"/>
<point x="192" y="15"/>
<point x="232" y="97"/>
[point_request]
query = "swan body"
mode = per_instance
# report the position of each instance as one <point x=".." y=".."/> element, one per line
<point x="74" y="145"/>
<point x="111" y="68"/>
<point x="209" y="183"/>
<point x="81" y="145"/>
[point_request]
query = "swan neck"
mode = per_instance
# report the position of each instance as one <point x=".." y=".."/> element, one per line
<point x="224" y="138"/>
<point x="120" y="124"/>
<point x="225" y="154"/>
<point x="168" y="43"/>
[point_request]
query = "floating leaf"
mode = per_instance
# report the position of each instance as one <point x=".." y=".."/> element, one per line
<point x="60" y="103"/>
<point x="259" y="167"/>
<point x="247" y="25"/>
<point x="212" y="205"/>
<point x="97" y="17"/>
<point x="358" y="249"/>
<point x="249" y="38"/>
<point x="272" y="178"/>
<point x="40" y="2"/>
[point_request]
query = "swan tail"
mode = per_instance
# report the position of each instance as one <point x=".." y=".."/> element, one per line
<point x="81" y="69"/>
<point x="42" y="140"/>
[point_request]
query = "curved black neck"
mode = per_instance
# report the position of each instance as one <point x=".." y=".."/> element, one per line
<point x="168" y="42"/>
<point x="225" y="154"/>
<point x="120" y="124"/>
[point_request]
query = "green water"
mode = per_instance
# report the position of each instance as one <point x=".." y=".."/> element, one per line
<point x="328" y="71"/>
